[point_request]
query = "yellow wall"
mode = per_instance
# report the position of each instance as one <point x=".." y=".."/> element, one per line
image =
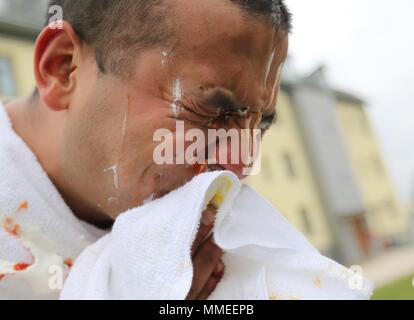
<point x="291" y="195"/>
<point x="384" y="213"/>
<point x="21" y="54"/>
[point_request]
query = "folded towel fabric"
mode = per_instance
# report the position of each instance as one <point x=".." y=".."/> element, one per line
<point x="148" y="253"/>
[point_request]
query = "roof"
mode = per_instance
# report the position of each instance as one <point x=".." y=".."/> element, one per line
<point x="316" y="79"/>
<point x="348" y="97"/>
<point x="22" y="18"/>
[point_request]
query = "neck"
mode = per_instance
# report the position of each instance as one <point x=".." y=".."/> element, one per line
<point x="33" y="123"/>
<point x="42" y="129"/>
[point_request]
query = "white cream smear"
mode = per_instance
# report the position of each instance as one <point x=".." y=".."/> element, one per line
<point x="166" y="58"/>
<point x="177" y="94"/>
<point x="149" y="199"/>
<point x="114" y="200"/>
<point x="269" y="66"/>
<point x="114" y="170"/>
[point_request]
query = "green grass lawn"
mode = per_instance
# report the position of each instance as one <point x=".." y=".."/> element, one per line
<point x="402" y="289"/>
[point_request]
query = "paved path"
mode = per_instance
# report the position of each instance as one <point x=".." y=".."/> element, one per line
<point x="390" y="266"/>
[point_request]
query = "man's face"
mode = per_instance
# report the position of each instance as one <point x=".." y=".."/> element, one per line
<point x="106" y="156"/>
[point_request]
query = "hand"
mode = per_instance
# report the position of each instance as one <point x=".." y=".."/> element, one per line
<point x="208" y="267"/>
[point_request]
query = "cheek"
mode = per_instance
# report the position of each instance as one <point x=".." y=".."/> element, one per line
<point x="134" y="151"/>
<point x="142" y="174"/>
<point x="88" y="146"/>
<point x="91" y="143"/>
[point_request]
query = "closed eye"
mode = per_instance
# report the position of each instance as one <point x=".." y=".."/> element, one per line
<point x="267" y="121"/>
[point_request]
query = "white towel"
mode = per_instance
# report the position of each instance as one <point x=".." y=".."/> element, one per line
<point x="48" y="237"/>
<point x="148" y="253"/>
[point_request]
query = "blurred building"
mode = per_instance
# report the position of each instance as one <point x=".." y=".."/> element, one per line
<point x="20" y="22"/>
<point x="322" y="167"/>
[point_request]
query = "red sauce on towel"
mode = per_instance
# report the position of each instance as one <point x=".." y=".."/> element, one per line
<point x="23" y="206"/>
<point x="11" y="228"/>
<point x="21" y="266"/>
<point x="69" y="262"/>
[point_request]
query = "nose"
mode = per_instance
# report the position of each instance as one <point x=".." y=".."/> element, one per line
<point x="224" y="159"/>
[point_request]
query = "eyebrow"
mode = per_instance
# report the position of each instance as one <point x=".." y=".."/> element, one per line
<point x="222" y="98"/>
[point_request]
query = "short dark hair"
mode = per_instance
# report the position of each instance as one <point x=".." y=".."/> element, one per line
<point x="276" y="9"/>
<point x="116" y="29"/>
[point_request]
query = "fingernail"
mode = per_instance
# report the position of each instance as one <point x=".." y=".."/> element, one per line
<point x="208" y="218"/>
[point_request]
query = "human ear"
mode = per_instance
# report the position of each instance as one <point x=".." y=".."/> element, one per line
<point x="55" y="65"/>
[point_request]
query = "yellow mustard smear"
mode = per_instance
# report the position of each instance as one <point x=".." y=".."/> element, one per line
<point x="220" y="195"/>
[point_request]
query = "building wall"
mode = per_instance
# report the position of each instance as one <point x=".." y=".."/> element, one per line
<point x="385" y="215"/>
<point x="301" y="191"/>
<point x="20" y="53"/>
<point x="315" y="108"/>
<point x="286" y="178"/>
<point x="314" y="103"/>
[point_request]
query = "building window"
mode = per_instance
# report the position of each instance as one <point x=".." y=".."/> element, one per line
<point x="7" y="80"/>
<point x="289" y="166"/>
<point x="306" y="221"/>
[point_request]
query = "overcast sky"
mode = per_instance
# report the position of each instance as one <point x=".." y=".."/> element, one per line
<point x="369" y="49"/>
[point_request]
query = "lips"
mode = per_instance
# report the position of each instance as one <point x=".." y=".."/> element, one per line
<point x="215" y="163"/>
<point x="236" y="169"/>
<point x="214" y="167"/>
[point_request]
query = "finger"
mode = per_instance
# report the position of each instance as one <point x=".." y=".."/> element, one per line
<point x="212" y="283"/>
<point x="219" y="269"/>
<point x="207" y="224"/>
<point x="204" y="262"/>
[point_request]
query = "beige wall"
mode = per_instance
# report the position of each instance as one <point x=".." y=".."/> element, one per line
<point x="384" y="212"/>
<point x="21" y="54"/>
<point x="291" y="195"/>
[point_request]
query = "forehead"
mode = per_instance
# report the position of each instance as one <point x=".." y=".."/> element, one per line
<point x="219" y="27"/>
<point x="218" y="43"/>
